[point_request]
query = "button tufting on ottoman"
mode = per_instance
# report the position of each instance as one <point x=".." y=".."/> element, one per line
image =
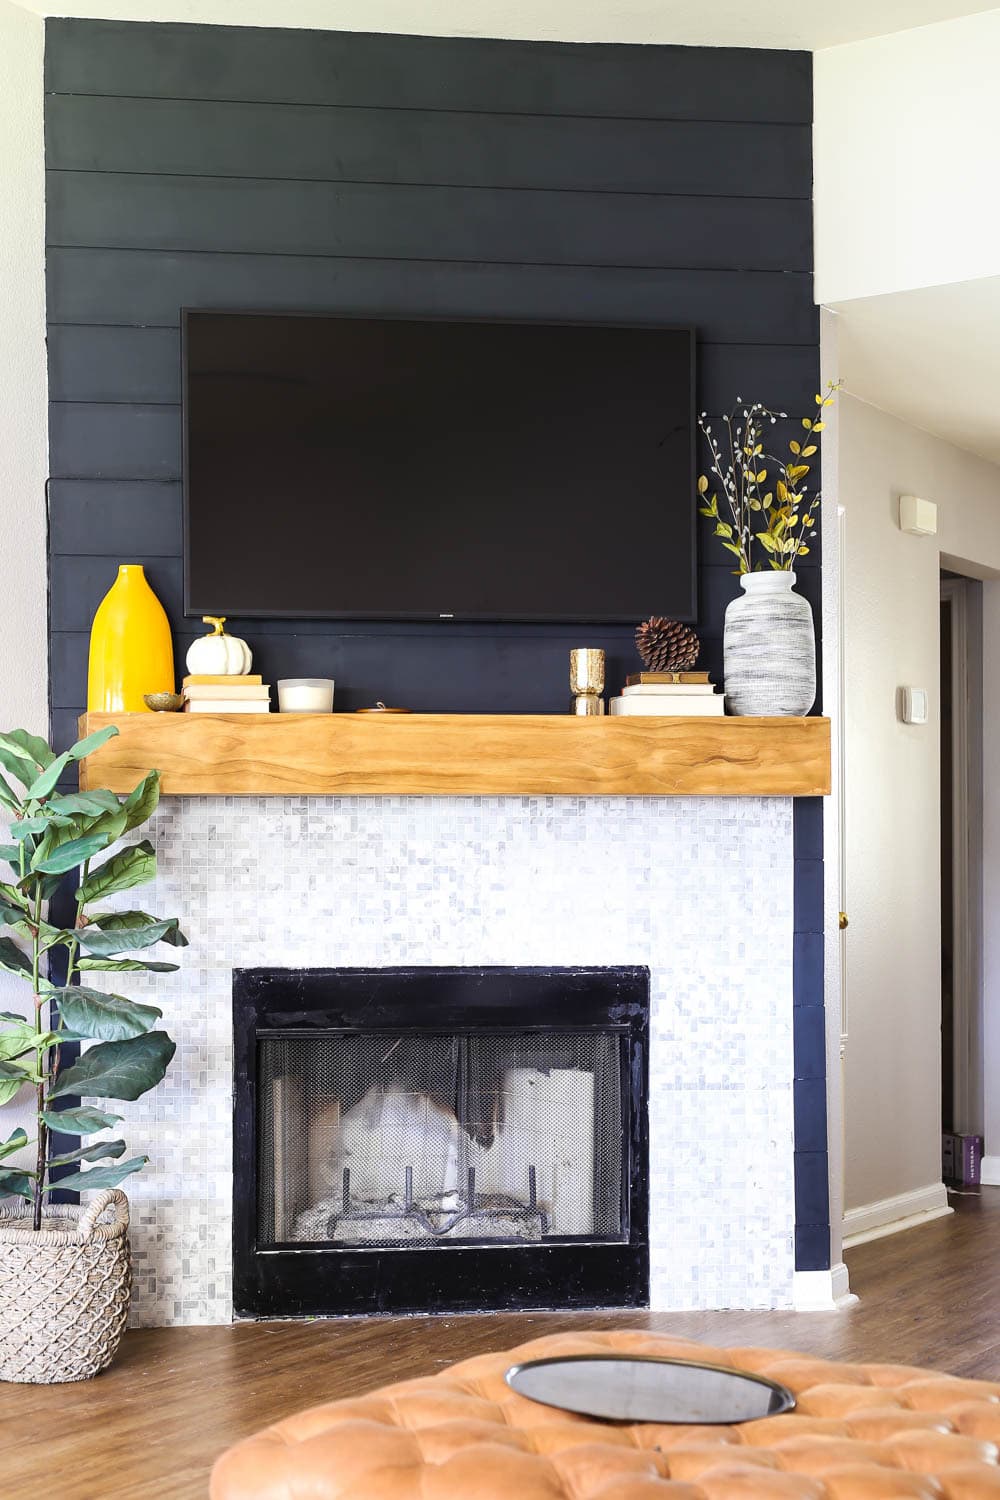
<point x="859" y="1432"/>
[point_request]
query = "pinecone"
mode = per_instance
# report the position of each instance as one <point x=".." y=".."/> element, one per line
<point x="666" y="645"/>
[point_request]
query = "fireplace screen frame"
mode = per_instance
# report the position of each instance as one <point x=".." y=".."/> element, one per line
<point x="323" y="1279"/>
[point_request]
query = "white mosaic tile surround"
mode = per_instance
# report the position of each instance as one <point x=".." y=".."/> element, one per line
<point x="700" y="889"/>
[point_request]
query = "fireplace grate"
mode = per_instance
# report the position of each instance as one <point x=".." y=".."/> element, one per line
<point x="414" y="1139"/>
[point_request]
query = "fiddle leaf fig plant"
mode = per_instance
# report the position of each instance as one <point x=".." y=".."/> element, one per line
<point x="126" y="1051"/>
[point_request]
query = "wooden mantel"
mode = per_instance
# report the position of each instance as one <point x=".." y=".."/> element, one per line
<point x="489" y="755"/>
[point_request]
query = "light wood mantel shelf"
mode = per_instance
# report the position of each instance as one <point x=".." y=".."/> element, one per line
<point x="488" y="755"/>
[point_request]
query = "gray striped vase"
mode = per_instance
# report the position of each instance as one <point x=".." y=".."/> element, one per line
<point x="769" y="648"/>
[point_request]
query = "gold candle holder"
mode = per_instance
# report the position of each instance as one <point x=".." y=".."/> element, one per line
<point x="586" y="679"/>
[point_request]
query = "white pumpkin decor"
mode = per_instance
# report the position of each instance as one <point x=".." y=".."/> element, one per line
<point x="218" y="654"/>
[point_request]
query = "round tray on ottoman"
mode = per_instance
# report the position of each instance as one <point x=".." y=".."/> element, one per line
<point x="858" y="1432"/>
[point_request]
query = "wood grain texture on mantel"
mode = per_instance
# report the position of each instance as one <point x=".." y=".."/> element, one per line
<point x="488" y="755"/>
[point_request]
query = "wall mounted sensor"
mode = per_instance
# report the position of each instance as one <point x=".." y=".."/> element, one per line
<point x="916" y="516"/>
<point x="913" y="705"/>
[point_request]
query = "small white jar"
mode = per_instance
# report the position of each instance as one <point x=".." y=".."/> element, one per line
<point x="305" y="695"/>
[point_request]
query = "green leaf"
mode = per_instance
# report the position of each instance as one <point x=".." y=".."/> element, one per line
<point x="25" y="828"/>
<point x="12" y="854"/>
<point x="91" y="804"/>
<point x="99" y="1151"/>
<point x="125" y="921"/>
<point x="105" y="935"/>
<point x="7" y="1091"/>
<point x="104" y="1018"/>
<point x="91" y="743"/>
<point x="101" y="1177"/>
<point x="21" y="770"/>
<point x="15" y="758"/>
<point x="125" y="966"/>
<point x="51" y="937"/>
<point x="9" y="797"/>
<point x="132" y="866"/>
<point x="58" y="853"/>
<point x="141" y="803"/>
<point x="44" y="783"/>
<point x="69" y="844"/>
<point x="17" y="1184"/>
<point x="18" y="1039"/>
<point x="14" y="1142"/>
<point x="79" y="1121"/>
<point x="14" y="1073"/>
<point x="32" y="745"/>
<point x="117" y="1070"/>
<point x="13" y="960"/>
<point x="10" y="1015"/>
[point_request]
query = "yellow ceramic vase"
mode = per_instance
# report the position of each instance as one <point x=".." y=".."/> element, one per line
<point x="131" y="652"/>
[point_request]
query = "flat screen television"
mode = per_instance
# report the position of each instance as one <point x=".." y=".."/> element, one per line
<point x="392" y="468"/>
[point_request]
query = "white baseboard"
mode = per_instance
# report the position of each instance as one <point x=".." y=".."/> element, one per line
<point x="822" y="1291"/>
<point x="872" y="1221"/>
<point x="989" y="1172"/>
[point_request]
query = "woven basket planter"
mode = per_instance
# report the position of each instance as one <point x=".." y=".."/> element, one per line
<point x="64" y="1292"/>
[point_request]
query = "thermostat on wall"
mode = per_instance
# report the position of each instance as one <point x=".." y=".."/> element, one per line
<point x="918" y="517"/>
<point x="913" y="705"/>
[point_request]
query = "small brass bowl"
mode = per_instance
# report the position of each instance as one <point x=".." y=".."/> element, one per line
<point x="163" y="703"/>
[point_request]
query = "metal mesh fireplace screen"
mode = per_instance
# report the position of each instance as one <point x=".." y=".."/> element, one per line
<point x="406" y="1139"/>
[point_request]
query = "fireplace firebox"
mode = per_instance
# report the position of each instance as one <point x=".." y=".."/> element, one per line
<point x="439" y="1139"/>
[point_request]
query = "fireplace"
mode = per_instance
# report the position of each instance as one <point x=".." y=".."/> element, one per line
<point x="439" y="1139"/>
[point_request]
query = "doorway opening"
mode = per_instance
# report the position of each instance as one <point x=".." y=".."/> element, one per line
<point x="961" y="875"/>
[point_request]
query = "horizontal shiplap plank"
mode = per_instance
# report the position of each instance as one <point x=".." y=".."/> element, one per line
<point x="95" y="517"/>
<point x="93" y="440"/>
<point x="420" y="72"/>
<point x="204" y="138"/>
<point x="78" y="584"/>
<point x="114" y="364"/>
<point x="148" y="287"/>
<point x="88" y="441"/>
<point x="100" y="364"/>
<point x="433" y="223"/>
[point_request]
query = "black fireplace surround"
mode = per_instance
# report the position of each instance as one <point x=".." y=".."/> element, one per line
<point x="439" y="1140"/>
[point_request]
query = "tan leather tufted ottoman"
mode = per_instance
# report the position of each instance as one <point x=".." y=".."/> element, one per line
<point x="859" y="1432"/>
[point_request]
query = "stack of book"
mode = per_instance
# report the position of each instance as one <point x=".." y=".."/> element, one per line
<point x="207" y="694"/>
<point x="687" y="694"/>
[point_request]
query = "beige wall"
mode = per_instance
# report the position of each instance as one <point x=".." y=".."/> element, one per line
<point x="891" y="592"/>
<point x="23" y="435"/>
<point x="23" y="440"/>
<point x="904" y="141"/>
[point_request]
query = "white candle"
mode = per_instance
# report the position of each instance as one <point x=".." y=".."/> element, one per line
<point x="305" y="695"/>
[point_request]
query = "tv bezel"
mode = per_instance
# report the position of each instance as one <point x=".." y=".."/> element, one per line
<point x="221" y="607"/>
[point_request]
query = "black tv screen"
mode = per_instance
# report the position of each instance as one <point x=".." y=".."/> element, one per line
<point x="400" y="469"/>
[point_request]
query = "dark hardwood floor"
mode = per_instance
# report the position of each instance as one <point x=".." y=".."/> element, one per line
<point x="153" y="1424"/>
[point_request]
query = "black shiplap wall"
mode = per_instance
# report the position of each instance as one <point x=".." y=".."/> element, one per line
<point x="235" y="167"/>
